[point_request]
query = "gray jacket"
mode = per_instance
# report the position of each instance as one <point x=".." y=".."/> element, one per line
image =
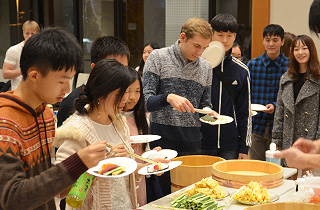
<point x="296" y="119"/>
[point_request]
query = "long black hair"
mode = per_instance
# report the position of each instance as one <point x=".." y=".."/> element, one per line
<point x="141" y="66"/>
<point x="139" y="109"/>
<point x="107" y="76"/>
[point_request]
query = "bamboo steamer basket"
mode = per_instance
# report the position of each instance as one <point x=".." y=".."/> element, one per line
<point x="236" y="173"/>
<point x="193" y="169"/>
<point x="285" y="206"/>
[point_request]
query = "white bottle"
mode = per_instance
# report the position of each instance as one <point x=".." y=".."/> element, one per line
<point x="271" y="152"/>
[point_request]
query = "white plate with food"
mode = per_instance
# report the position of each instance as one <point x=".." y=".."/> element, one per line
<point x="273" y="198"/>
<point x="144" y="138"/>
<point x="258" y="107"/>
<point x="254" y="113"/>
<point x="214" y="53"/>
<point x="164" y="153"/>
<point x="154" y="168"/>
<point x="222" y="119"/>
<point x="114" y="167"/>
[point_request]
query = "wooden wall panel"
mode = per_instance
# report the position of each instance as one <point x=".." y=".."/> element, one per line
<point x="260" y="19"/>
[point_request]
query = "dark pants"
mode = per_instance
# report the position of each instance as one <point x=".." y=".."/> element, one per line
<point x="154" y="191"/>
<point x="227" y="154"/>
<point x="260" y="144"/>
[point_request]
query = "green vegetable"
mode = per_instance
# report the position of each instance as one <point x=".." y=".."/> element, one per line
<point x="209" y="118"/>
<point x="220" y="207"/>
<point x="211" y="207"/>
<point x="122" y="169"/>
<point x="198" y="201"/>
<point x="110" y="172"/>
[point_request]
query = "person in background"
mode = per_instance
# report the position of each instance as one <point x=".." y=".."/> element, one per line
<point x="11" y="64"/>
<point x="147" y="49"/>
<point x="102" y="48"/>
<point x="232" y="140"/>
<point x="286" y="47"/>
<point x="299" y="93"/>
<point x="135" y="113"/>
<point x="28" y="180"/>
<point x="236" y="51"/>
<point x="106" y="94"/>
<point x="266" y="71"/>
<point x="305" y="153"/>
<point x="177" y="77"/>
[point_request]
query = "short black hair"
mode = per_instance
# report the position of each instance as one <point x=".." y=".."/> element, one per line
<point x="52" y="49"/>
<point x="106" y="46"/>
<point x="314" y="17"/>
<point x="273" y="30"/>
<point x="224" y="22"/>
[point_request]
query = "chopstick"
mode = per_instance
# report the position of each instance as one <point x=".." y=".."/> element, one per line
<point x="136" y="156"/>
<point x="231" y="200"/>
<point x="178" y="194"/>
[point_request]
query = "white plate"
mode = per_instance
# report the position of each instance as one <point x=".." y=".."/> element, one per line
<point x="172" y="165"/>
<point x="222" y="119"/>
<point x="254" y="113"/>
<point x="120" y="161"/>
<point x="144" y="138"/>
<point x="273" y="197"/>
<point x="214" y="53"/>
<point x="164" y="153"/>
<point x="258" y="107"/>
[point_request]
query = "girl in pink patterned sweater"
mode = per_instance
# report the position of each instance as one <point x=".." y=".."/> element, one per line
<point x="136" y="116"/>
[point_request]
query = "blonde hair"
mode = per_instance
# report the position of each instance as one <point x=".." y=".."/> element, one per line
<point x="195" y="26"/>
<point x="32" y="25"/>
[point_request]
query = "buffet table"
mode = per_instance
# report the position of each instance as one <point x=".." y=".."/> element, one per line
<point x="284" y="191"/>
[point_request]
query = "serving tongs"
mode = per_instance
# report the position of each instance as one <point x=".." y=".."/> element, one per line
<point x="136" y="156"/>
<point x="201" y="111"/>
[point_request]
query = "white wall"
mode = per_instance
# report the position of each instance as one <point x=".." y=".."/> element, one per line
<point x="293" y="16"/>
<point x="178" y="12"/>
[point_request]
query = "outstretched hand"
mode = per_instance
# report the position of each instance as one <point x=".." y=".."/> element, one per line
<point x="93" y="154"/>
<point x="294" y="157"/>
<point x="306" y="146"/>
<point x="180" y="103"/>
<point x="119" y="151"/>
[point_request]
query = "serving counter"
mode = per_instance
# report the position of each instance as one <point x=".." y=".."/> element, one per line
<point x="284" y="191"/>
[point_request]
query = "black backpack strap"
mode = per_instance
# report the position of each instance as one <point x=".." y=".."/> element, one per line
<point x="226" y="83"/>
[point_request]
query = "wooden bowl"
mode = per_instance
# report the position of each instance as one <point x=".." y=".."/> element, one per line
<point x="236" y="173"/>
<point x="192" y="170"/>
<point x="285" y="206"/>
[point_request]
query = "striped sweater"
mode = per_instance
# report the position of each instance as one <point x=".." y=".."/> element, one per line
<point x="167" y="71"/>
<point x="27" y="180"/>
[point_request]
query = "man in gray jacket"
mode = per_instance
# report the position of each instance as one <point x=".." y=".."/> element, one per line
<point x="177" y="77"/>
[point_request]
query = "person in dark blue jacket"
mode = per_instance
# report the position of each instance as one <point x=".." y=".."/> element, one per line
<point x="229" y="141"/>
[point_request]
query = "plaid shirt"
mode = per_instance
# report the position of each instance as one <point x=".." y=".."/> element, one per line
<point x="265" y="79"/>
